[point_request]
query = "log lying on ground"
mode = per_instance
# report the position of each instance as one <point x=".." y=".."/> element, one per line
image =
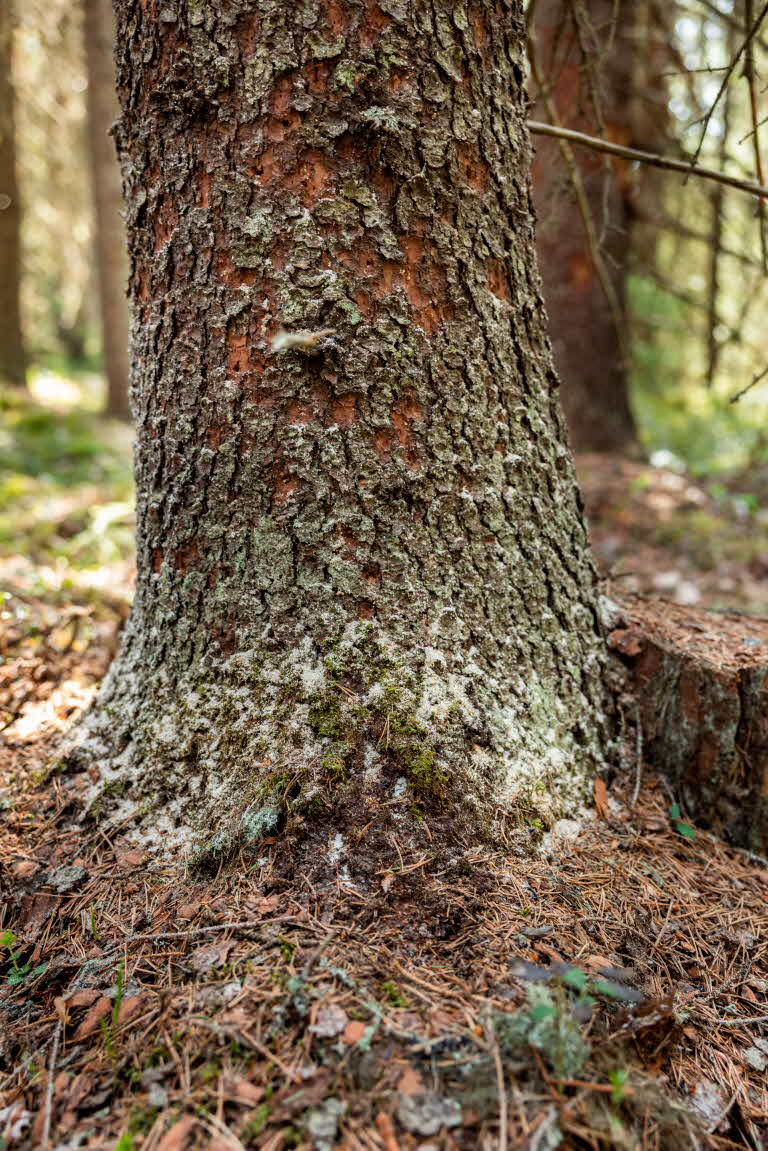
<point x="699" y="678"/>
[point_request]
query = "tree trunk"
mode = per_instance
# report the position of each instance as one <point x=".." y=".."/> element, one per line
<point x="590" y="346"/>
<point x="364" y="585"/>
<point x="110" y="250"/>
<point x="12" y="358"/>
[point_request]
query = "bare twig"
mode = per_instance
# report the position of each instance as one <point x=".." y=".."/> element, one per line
<point x="749" y="76"/>
<point x="753" y="29"/>
<point x="755" y="380"/>
<point x="638" y="757"/>
<point x="716" y="243"/>
<point x="651" y="158"/>
<point x="493" y="1046"/>
<point x="564" y="135"/>
<point x="46" y="1133"/>
<point x="741" y="1022"/>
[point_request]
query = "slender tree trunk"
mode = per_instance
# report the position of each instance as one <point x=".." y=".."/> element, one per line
<point x="111" y="257"/>
<point x="12" y="358"/>
<point x="597" y="94"/>
<point x="364" y="586"/>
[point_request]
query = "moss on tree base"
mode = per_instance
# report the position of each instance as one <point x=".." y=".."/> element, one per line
<point x="312" y="744"/>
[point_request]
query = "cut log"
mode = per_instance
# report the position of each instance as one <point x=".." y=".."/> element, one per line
<point x="699" y="678"/>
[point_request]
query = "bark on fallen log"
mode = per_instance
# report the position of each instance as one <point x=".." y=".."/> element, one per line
<point x="699" y="678"/>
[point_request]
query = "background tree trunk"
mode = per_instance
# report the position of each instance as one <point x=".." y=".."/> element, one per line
<point x="12" y="358"/>
<point x="594" y="94"/>
<point x="110" y="243"/>
<point x="364" y="583"/>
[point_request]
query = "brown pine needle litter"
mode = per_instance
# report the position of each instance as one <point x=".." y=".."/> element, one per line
<point x="603" y="990"/>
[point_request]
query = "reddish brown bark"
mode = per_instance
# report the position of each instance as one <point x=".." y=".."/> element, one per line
<point x="600" y="95"/>
<point x="363" y="577"/>
<point x="700" y="680"/>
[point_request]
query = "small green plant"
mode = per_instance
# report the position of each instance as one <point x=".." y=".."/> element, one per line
<point x="547" y="1024"/>
<point x="679" y="824"/>
<point x="255" y="1123"/>
<point x="109" y="1030"/>
<point x="618" y="1080"/>
<point x="393" y="994"/>
<point x="287" y="948"/>
<point x="19" y="971"/>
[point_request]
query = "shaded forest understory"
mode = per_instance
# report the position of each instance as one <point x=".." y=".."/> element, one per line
<point x="604" y="985"/>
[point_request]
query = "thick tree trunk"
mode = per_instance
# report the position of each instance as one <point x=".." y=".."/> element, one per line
<point x="364" y="584"/>
<point x="111" y="257"/>
<point x="588" y="338"/>
<point x="12" y="358"/>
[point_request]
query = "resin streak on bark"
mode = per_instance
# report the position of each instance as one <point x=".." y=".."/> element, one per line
<point x="363" y="573"/>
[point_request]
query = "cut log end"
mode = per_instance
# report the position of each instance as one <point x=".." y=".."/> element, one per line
<point x="699" y="678"/>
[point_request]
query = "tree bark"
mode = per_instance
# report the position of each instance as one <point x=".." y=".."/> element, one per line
<point x="12" y="357"/>
<point x="701" y="682"/>
<point x="110" y="242"/>
<point x="364" y="585"/>
<point x="598" y="94"/>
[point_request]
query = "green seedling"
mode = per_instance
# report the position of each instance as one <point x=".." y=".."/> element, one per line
<point x="679" y="824"/>
<point x="109" y="1030"/>
<point x="19" y="971"/>
<point x="618" y="1081"/>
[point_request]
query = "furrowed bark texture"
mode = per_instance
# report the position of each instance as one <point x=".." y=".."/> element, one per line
<point x="363" y="572"/>
<point x="111" y="257"/>
<point x="12" y="358"/>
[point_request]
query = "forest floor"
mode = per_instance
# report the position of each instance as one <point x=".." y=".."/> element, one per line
<point x="608" y="988"/>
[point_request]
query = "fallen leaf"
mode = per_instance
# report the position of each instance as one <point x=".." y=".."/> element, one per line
<point x="175" y="1138"/>
<point x="23" y="868"/>
<point x="411" y="1082"/>
<point x="83" y="998"/>
<point x="261" y="907"/>
<point x="130" y="1008"/>
<point x="35" y="909"/>
<point x="101" y="1007"/>
<point x="354" y="1031"/>
<point x="240" y="1090"/>
<point x="601" y="798"/>
<point x="204" y="959"/>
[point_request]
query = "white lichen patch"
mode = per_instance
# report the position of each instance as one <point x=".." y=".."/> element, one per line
<point x="336" y="848"/>
<point x="219" y="757"/>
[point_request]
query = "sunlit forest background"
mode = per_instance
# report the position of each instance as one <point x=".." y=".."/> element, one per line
<point x="693" y="289"/>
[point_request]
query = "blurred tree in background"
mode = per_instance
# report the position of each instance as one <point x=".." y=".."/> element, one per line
<point x="57" y="253"/>
<point x="74" y="264"/>
<point x="12" y="358"/>
<point x="109" y="231"/>
<point x="677" y="264"/>
<point x="656" y="357"/>
<point x="590" y="77"/>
